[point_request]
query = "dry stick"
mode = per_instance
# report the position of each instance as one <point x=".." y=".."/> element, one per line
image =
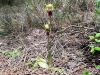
<point x="64" y="30"/>
<point x="72" y="26"/>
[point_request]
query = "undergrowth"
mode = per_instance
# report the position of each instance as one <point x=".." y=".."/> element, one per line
<point x="53" y="16"/>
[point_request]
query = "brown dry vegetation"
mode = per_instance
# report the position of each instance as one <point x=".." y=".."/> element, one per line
<point x="22" y="25"/>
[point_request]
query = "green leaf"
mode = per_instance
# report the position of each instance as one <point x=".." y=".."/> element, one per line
<point x="98" y="3"/>
<point x="40" y="59"/>
<point x="33" y="59"/>
<point x="97" y="48"/>
<point x="43" y="65"/>
<point x="17" y="52"/>
<point x="98" y="66"/>
<point x="30" y="6"/>
<point x="61" y="71"/>
<point x="14" y="54"/>
<point x="92" y="50"/>
<point x="29" y="63"/>
<point x="91" y="37"/>
<point x="10" y="53"/>
<point x="53" y="70"/>
<point x="96" y="40"/>
<point x="97" y="35"/>
<point x="97" y="11"/>
<point x="3" y="52"/>
<point x="42" y="62"/>
<point x="20" y="48"/>
<point x="35" y="65"/>
<point x="91" y="46"/>
<point x="86" y="73"/>
<point x="34" y="69"/>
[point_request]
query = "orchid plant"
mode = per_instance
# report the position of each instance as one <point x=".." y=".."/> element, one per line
<point x="49" y="8"/>
<point x="40" y="61"/>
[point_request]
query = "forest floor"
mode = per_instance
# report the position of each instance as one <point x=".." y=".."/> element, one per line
<point x="69" y="51"/>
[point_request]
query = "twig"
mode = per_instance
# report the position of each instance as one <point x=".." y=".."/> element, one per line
<point x="72" y="26"/>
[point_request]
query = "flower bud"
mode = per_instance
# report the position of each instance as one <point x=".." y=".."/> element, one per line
<point x="50" y="12"/>
<point x="47" y="32"/>
<point x="49" y="6"/>
<point x="50" y="9"/>
<point x="47" y="27"/>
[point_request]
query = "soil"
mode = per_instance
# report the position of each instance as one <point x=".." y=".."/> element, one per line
<point x="69" y="51"/>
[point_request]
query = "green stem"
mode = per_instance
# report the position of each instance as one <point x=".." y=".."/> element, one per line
<point x="50" y="22"/>
<point x="49" y="53"/>
<point x="48" y="46"/>
<point x="61" y="26"/>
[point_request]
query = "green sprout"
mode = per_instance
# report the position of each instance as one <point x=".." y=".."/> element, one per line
<point x="3" y="52"/>
<point x="12" y="54"/>
<point x="91" y="37"/>
<point x="96" y="37"/>
<point x="93" y="48"/>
